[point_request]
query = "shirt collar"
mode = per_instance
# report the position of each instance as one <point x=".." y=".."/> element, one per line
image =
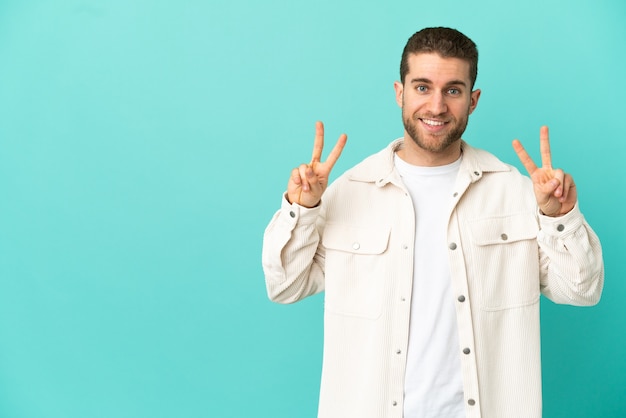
<point x="379" y="168"/>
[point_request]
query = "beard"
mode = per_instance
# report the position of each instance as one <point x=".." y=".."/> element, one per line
<point x="436" y="142"/>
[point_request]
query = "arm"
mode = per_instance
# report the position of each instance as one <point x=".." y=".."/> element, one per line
<point x="572" y="270"/>
<point x="293" y="260"/>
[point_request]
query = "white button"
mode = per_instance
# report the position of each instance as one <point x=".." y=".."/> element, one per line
<point x="356" y="245"/>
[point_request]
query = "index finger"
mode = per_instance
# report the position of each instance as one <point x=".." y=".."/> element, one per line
<point x="336" y="152"/>
<point x="318" y="144"/>
<point x="524" y="157"/>
<point x="544" y="146"/>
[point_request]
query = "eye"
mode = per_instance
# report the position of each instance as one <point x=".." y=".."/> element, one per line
<point x="454" y="91"/>
<point x="421" y="89"/>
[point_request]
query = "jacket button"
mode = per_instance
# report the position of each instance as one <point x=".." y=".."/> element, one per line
<point x="356" y="246"/>
<point x="471" y="402"/>
<point x="292" y="214"/>
<point x="461" y="298"/>
<point x="452" y="246"/>
<point x="466" y="350"/>
<point x="560" y="227"/>
<point x="504" y="237"/>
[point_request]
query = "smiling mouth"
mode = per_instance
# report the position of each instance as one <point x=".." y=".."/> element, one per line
<point x="434" y="123"/>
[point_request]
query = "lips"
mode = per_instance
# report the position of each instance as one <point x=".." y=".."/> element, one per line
<point x="431" y="122"/>
<point x="433" y="125"/>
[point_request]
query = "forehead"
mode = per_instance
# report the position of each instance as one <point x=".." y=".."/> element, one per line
<point x="439" y="70"/>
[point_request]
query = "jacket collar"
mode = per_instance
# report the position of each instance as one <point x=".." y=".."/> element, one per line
<point x="380" y="169"/>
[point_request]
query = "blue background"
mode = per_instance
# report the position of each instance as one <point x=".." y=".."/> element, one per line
<point x="145" y="144"/>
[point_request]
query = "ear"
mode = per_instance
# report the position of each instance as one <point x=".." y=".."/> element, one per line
<point x="399" y="88"/>
<point x="474" y="100"/>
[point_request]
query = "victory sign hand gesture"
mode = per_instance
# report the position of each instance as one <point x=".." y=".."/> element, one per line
<point x="555" y="190"/>
<point x="309" y="181"/>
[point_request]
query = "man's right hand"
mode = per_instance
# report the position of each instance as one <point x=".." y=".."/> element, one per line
<point x="309" y="181"/>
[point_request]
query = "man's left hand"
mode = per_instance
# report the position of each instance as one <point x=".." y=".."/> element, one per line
<point x="554" y="189"/>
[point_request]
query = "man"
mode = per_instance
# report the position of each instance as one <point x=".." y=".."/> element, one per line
<point x="432" y="255"/>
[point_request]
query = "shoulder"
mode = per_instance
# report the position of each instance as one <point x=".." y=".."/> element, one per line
<point x="373" y="167"/>
<point x="483" y="161"/>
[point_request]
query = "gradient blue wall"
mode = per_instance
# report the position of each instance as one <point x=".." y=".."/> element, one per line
<point x="145" y="144"/>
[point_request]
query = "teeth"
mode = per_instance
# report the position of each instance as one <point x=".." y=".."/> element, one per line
<point x="432" y="122"/>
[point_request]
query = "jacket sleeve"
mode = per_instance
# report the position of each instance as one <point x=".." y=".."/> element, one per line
<point x="293" y="260"/>
<point x="572" y="269"/>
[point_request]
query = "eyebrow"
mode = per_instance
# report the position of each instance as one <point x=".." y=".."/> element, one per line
<point x="450" y="83"/>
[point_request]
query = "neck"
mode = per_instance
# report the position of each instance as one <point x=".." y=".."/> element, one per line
<point x="416" y="155"/>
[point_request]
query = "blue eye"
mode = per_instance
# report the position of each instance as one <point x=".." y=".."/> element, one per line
<point x="421" y="89"/>
<point x="454" y="92"/>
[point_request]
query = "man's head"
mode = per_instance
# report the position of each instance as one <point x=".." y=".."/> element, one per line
<point x="446" y="42"/>
<point x="436" y="94"/>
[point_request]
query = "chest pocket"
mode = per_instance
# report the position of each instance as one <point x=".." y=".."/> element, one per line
<point x="356" y="269"/>
<point x="505" y="261"/>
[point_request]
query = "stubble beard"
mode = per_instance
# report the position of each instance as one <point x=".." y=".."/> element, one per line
<point x="442" y="141"/>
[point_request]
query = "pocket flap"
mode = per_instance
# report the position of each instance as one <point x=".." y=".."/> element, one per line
<point x="356" y="239"/>
<point x="505" y="229"/>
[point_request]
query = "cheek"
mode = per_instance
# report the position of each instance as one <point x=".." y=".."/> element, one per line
<point x="462" y="109"/>
<point x="411" y="103"/>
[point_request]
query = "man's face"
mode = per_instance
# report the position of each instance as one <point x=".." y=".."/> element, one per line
<point x="436" y="100"/>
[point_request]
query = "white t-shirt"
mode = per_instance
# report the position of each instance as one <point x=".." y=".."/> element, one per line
<point x="433" y="382"/>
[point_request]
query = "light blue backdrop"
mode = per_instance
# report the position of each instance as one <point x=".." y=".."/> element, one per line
<point x="145" y="144"/>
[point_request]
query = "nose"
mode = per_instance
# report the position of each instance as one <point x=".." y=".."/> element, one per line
<point x="437" y="104"/>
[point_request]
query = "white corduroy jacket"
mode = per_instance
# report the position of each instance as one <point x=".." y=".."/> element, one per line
<point x="357" y="247"/>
